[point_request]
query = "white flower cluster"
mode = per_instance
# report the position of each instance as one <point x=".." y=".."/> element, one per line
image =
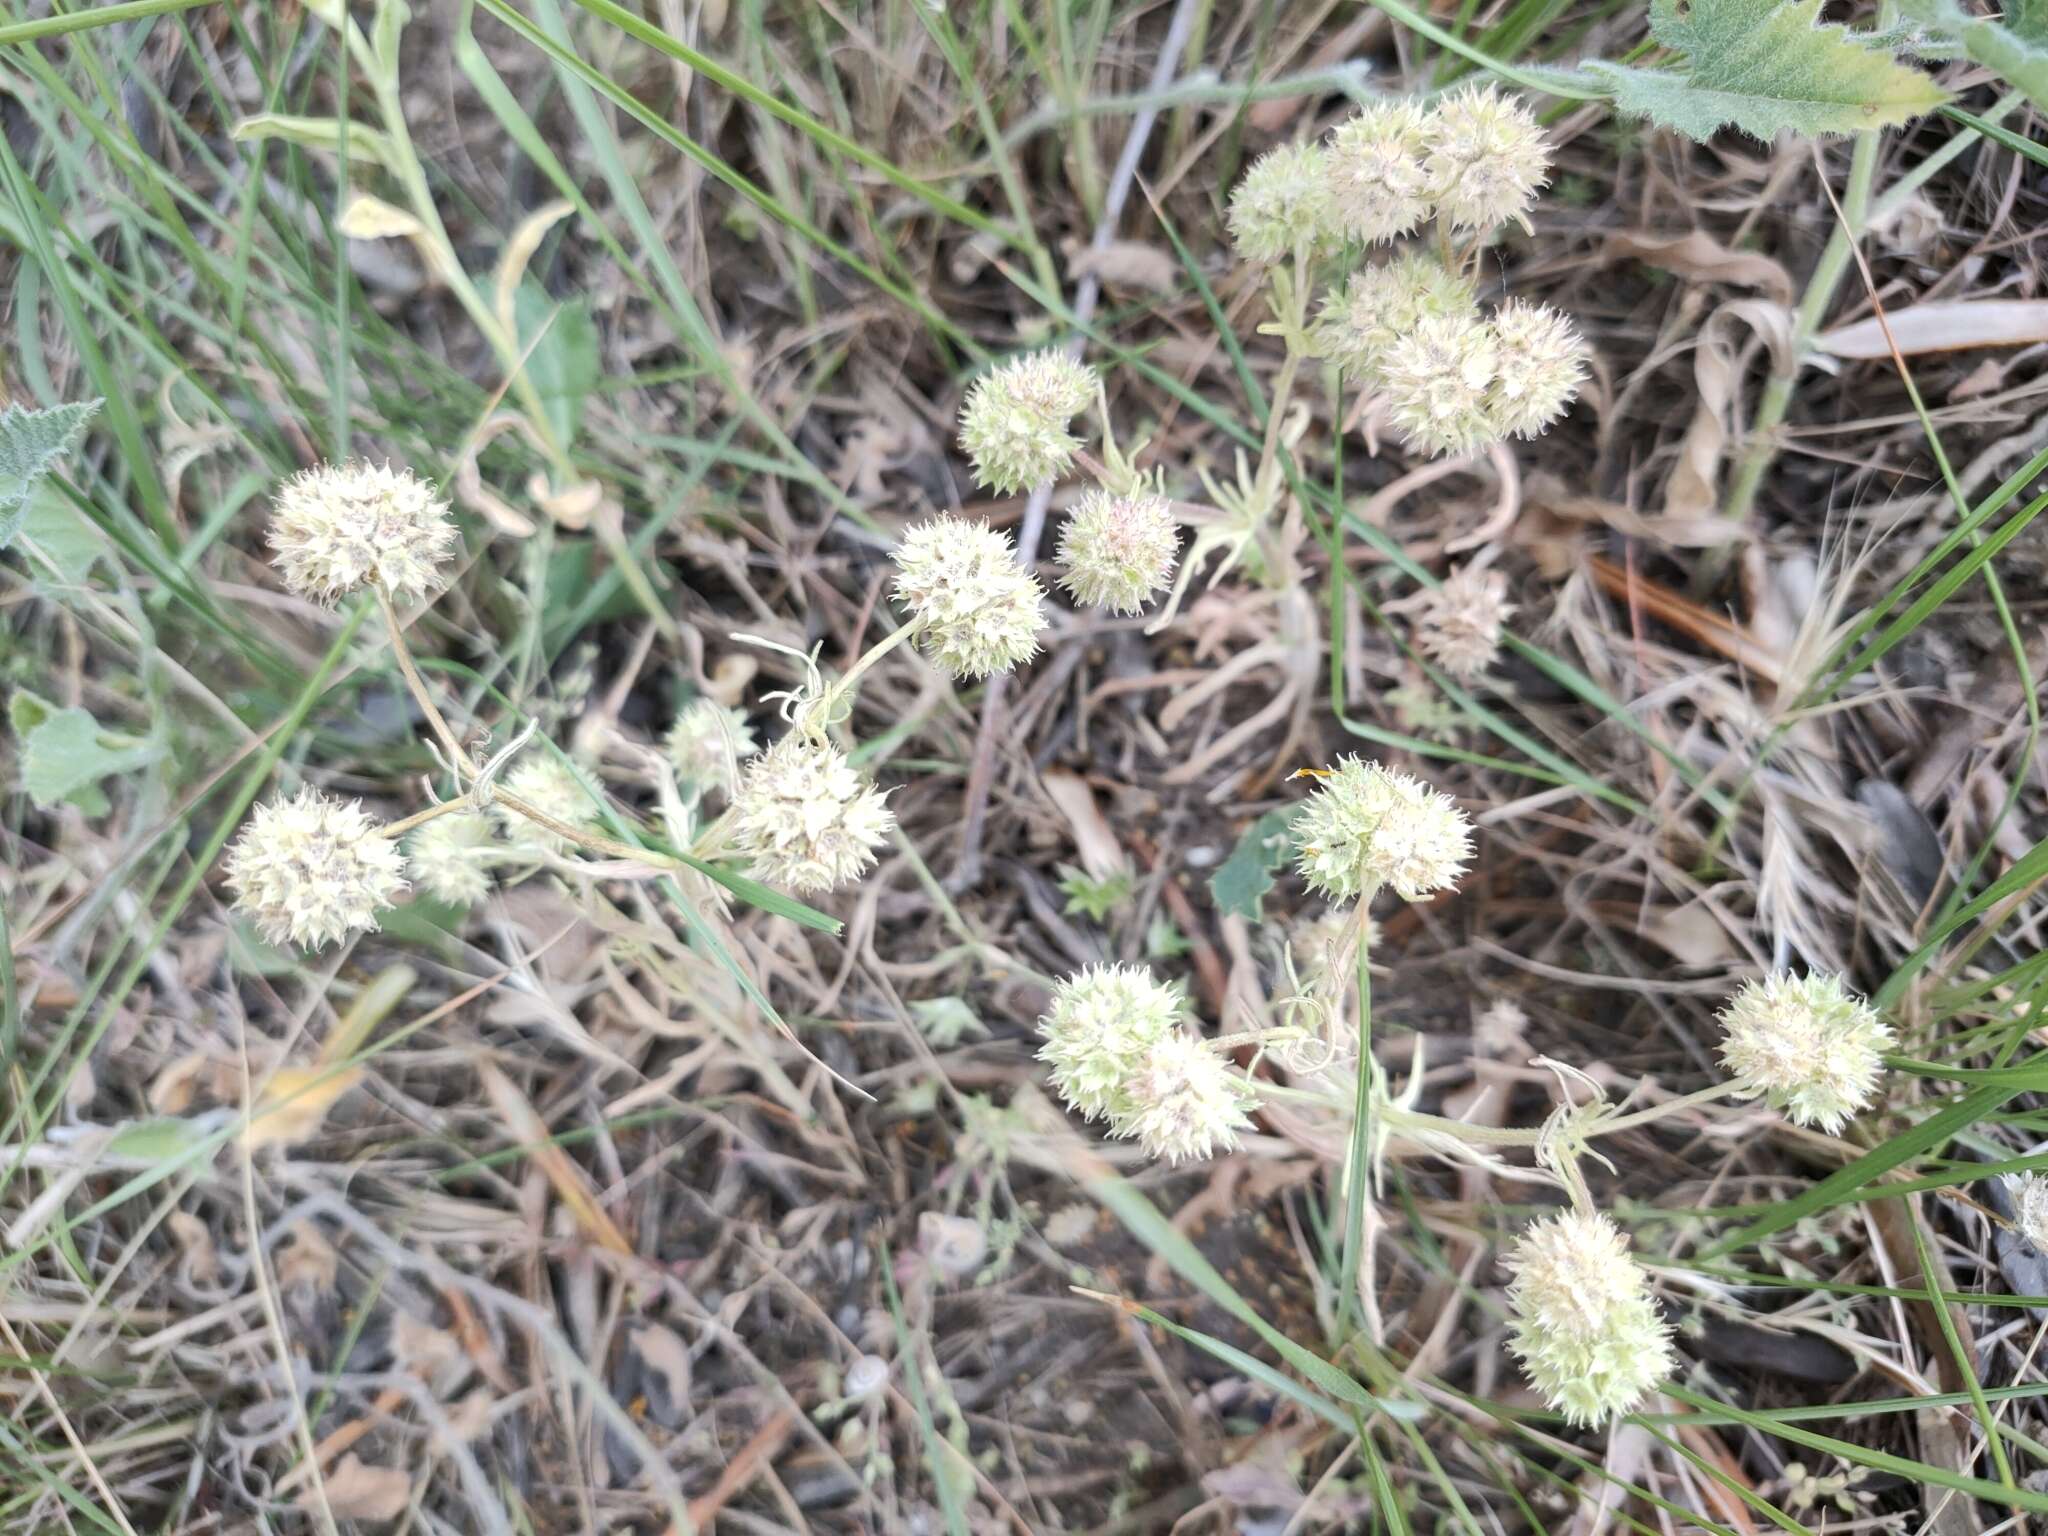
<point x="1585" y="1326"/>
<point x="977" y="610"/>
<point x="312" y="869"/>
<point x="1013" y="426"/>
<point x="807" y="818"/>
<point x="1454" y="380"/>
<point x="1368" y="826"/>
<point x="1805" y="1045"/>
<point x="1118" y="1052"/>
<point x="337" y="527"/>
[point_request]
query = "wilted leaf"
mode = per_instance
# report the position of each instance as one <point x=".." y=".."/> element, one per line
<point x="296" y="1103"/>
<point x="1942" y="326"/>
<point x="1699" y="255"/>
<point x="316" y="133"/>
<point x="31" y="443"/>
<point x="1767" y="67"/>
<point x="358" y="1491"/>
<point x="664" y="1361"/>
<point x="371" y="218"/>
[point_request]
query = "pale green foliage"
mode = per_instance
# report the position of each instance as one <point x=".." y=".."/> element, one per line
<point x="1767" y="67"/>
<point x="31" y="443"/>
<point x="1585" y="1328"/>
<point x="66" y="752"/>
<point x="2016" y="47"/>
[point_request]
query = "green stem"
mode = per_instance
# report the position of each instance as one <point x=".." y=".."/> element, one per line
<point x="1361" y="1126"/>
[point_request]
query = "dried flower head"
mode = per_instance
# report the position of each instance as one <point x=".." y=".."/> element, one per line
<point x="1118" y="550"/>
<point x="1369" y="825"/>
<point x="1487" y="159"/>
<point x="1282" y="203"/>
<point x="978" y="609"/>
<point x="1540" y="363"/>
<point x="1807" y="1045"/>
<point x="1458" y="624"/>
<point x="2029" y="1195"/>
<point x="313" y="869"/>
<point x="707" y="743"/>
<point x="1585" y="1328"/>
<point x="451" y="856"/>
<point x="1183" y="1102"/>
<point x="806" y="818"/>
<point x="1379" y="187"/>
<point x="1013" y="427"/>
<point x="546" y="783"/>
<point x="1379" y="305"/>
<point x="1103" y="1022"/>
<point x="336" y="526"/>
<point x="1438" y="379"/>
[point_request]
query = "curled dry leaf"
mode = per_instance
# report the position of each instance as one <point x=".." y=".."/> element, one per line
<point x="1718" y="366"/>
<point x="1941" y="326"/>
<point x="355" y="1490"/>
<point x="954" y="1244"/>
<point x="201" y="1264"/>
<point x="1102" y="855"/>
<point x="305" y="1259"/>
<point x="1126" y="264"/>
<point x="664" y="1371"/>
<point x="296" y="1102"/>
<point x="1700" y="257"/>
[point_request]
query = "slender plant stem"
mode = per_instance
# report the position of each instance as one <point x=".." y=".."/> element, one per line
<point x="1361" y="1125"/>
<point x="420" y="818"/>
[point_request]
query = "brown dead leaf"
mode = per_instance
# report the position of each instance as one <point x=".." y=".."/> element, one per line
<point x="1941" y="326"/>
<point x="1693" y="490"/>
<point x="1126" y="264"/>
<point x="1687" y="617"/>
<point x="664" y="1371"/>
<point x="1102" y="855"/>
<point x="430" y="1353"/>
<point x="201" y="1263"/>
<point x="1700" y="257"/>
<point x="296" y="1102"/>
<point x="305" y="1258"/>
<point x="571" y="1184"/>
<point x="358" y="1491"/>
<point x="1691" y="935"/>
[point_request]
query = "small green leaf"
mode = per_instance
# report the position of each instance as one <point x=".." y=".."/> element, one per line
<point x="31" y="443"/>
<point x="1767" y="67"/>
<point x="563" y="363"/>
<point x="2016" y="49"/>
<point x="323" y="133"/>
<point x="66" y="754"/>
<point x="1240" y="883"/>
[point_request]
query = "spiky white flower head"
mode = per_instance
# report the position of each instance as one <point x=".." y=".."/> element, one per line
<point x="546" y="783"/>
<point x="1540" y="363"/>
<point x="1102" y="1024"/>
<point x="707" y="743"/>
<point x="1118" y="550"/>
<point x="1282" y="203"/>
<point x="451" y="857"/>
<point x="806" y="818"/>
<point x="2029" y="1195"/>
<point x="1013" y="427"/>
<point x="1184" y="1102"/>
<point x="1807" y="1045"/>
<point x="336" y="526"/>
<point x="1487" y="159"/>
<point x="1438" y="379"/>
<point x="1379" y="305"/>
<point x="313" y="869"/>
<point x="1585" y="1328"/>
<point x="1458" y="624"/>
<point x="1379" y="187"/>
<point x="978" y="608"/>
<point x="1369" y="825"/>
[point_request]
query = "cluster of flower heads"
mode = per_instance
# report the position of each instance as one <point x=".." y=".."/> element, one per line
<point x="1119" y="1052"/>
<point x="1586" y="1327"/>
<point x="1806" y="1046"/>
<point x="1369" y="826"/>
<point x="1408" y="328"/>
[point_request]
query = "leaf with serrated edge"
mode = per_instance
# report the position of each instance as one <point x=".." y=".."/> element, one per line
<point x="31" y="443"/>
<point x="1767" y="67"/>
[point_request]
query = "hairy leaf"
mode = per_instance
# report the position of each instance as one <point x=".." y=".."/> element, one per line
<point x="1767" y="67"/>
<point x="1242" y="880"/>
<point x="64" y="756"/>
<point x="2016" y="49"/>
<point x="31" y="443"/>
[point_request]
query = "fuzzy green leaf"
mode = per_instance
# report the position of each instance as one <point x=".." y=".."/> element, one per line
<point x="65" y="755"/>
<point x="2016" y="48"/>
<point x="1240" y="883"/>
<point x="1767" y="67"/>
<point x="31" y="443"/>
